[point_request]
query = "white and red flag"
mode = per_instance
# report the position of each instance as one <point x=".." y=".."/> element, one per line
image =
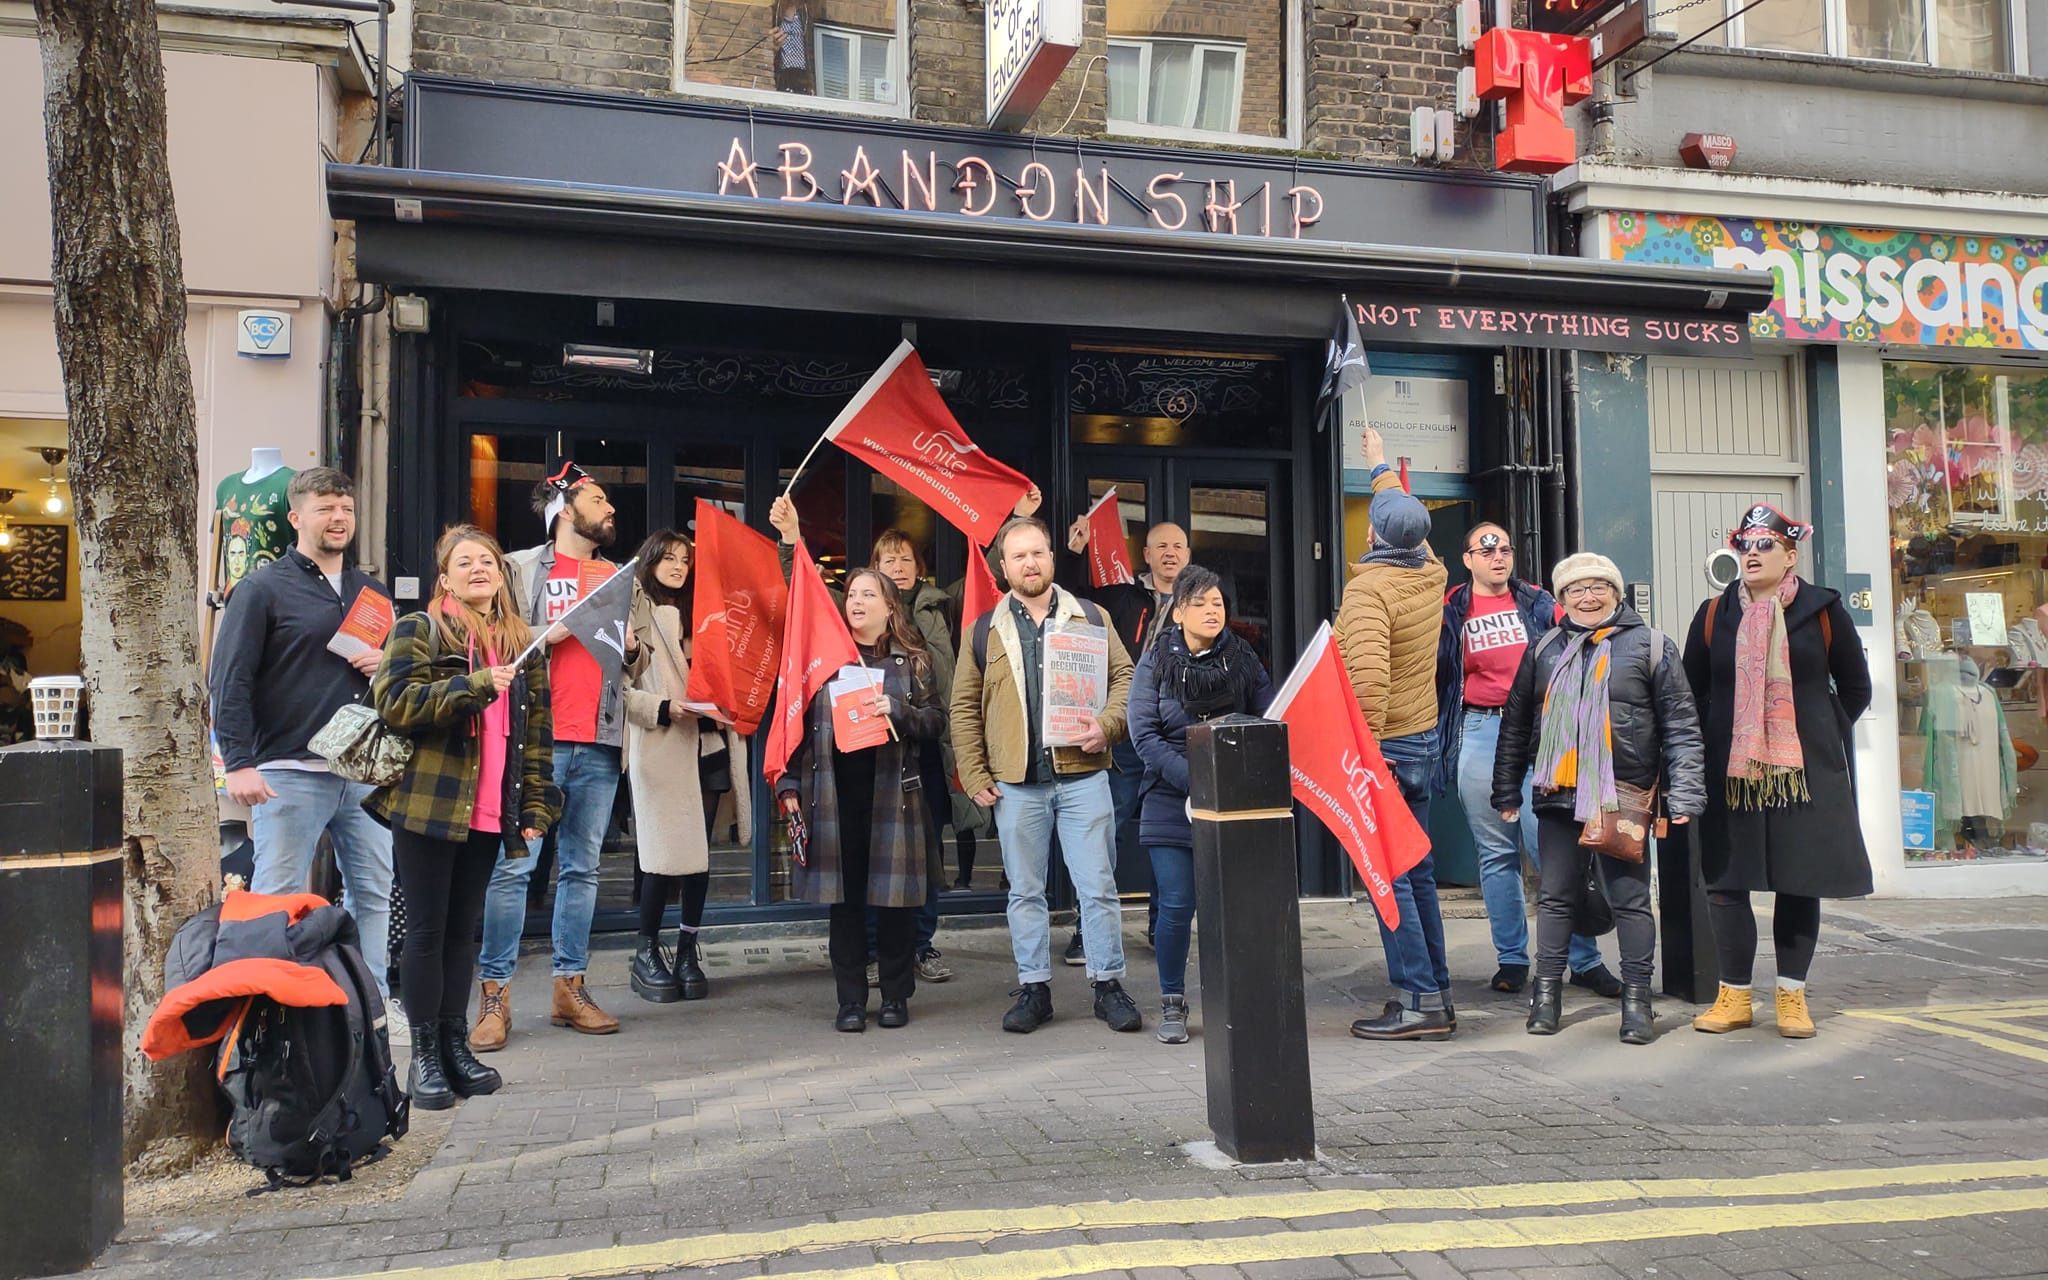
<point x="1109" y="552"/>
<point x="736" y="606"/>
<point x="898" y="425"/>
<point x="815" y="645"/>
<point x="1342" y="778"/>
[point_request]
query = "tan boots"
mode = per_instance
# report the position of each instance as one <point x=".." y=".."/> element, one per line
<point x="575" y="1009"/>
<point x="1733" y="1010"/>
<point x="493" y="1018"/>
<point x="1730" y="1012"/>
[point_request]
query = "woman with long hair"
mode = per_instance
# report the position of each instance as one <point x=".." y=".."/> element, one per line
<point x="870" y="836"/>
<point x="1598" y="705"/>
<point x="480" y="781"/>
<point x="1196" y="669"/>
<point x="1780" y="676"/>
<point x="680" y="767"/>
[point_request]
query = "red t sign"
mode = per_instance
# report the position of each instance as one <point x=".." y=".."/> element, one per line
<point x="1540" y="75"/>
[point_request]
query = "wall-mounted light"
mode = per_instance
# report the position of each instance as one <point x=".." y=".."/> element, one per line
<point x="584" y="355"/>
<point x="409" y="313"/>
<point x="7" y="497"/>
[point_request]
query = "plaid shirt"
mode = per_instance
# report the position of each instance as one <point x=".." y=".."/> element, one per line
<point x="437" y="699"/>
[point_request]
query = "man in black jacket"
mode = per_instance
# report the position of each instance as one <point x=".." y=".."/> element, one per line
<point x="274" y="683"/>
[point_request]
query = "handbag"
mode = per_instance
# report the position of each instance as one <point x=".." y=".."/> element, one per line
<point x="359" y="746"/>
<point x="1623" y="833"/>
<point x="1592" y="914"/>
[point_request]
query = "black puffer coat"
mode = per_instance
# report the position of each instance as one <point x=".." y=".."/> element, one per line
<point x="1656" y="729"/>
<point x="1814" y="849"/>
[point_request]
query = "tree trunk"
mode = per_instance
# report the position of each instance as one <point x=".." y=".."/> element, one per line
<point x="120" y="304"/>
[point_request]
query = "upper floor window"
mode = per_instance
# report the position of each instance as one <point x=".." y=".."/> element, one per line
<point x="1194" y="71"/>
<point x="847" y="51"/>
<point x="1969" y="35"/>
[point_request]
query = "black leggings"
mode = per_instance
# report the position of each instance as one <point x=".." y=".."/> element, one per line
<point x="655" y="892"/>
<point x="1561" y="870"/>
<point x="1795" y="930"/>
<point x="444" y="902"/>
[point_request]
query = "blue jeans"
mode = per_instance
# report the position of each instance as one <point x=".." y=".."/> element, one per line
<point x="588" y="775"/>
<point x="1082" y="811"/>
<point x="1416" y="960"/>
<point x="1173" y="888"/>
<point x="1500" y="851"/>
<point x="286" y="832"/>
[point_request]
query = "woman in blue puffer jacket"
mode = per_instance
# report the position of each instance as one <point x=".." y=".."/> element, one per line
<point x="1196" y="669"/>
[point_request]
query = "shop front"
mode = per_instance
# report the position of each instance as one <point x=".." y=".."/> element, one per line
<point x="1919" y="361"/>
<point x="1100" y="316"/>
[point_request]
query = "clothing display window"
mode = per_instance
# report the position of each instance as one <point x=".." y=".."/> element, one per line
<point x="1967" y="486"/>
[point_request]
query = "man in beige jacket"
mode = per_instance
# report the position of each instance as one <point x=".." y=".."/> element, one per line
<point x="1387" y="631"/>
<point x="1034" y="787"/>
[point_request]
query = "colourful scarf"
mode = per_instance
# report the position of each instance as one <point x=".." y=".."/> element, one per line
<point x="1766" y="768"/>
<point x="1577" y="736"/>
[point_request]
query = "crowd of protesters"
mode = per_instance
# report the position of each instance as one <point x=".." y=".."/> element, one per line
<point x="1557" y="717"/>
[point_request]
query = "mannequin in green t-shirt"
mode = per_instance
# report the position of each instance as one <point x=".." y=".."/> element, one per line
<point x="252" y="507"/>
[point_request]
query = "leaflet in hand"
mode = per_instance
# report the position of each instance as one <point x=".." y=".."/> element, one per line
<point x="369" y="620"/>
<point x="855" y="726"/>
<point x="1076" y="684"/>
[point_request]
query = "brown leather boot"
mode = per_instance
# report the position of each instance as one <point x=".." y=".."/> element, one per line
<point x="493" y="1018"/>
<point x="575" y="1009"/>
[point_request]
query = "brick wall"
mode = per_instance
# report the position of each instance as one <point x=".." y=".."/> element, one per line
<point x="611" y="44"/>
<point x="1369" y="62"/>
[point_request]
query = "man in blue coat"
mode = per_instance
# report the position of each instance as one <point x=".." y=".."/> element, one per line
<point x="1489" y="624"/>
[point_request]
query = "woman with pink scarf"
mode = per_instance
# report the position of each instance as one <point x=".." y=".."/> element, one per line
<point x="1779" y="675"/>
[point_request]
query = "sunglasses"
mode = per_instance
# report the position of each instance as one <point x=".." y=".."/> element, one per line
<point x="1761" y="544"/>
<point x="1492" y="553"/>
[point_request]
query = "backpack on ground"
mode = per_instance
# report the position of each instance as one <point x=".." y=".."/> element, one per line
<point x="279" y="983"/>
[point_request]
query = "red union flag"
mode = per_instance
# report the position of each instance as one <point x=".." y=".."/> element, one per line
<point x="898" y="425"/>
<point x="736" y="608"/>
<point x="980" y="593"/>
<point x="1341" y="777"/>
<point x="1109" y="552"/>
<point x="815" y="644"/>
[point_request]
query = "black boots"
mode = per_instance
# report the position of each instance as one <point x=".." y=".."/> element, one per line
<point x="467" y="1076"/>
<point x="690" y="974"/>
<point x="430" y="1088"/>
<point x="1638" y="1021"/>
<point x="652" y="980"/>
<point x="1544" y="1006"/>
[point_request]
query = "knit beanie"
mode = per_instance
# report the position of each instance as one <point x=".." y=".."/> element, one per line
<point x="1400" y="520"/>
<point x="1586" y="565"/>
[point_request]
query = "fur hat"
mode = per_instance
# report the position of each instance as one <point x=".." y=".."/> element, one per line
<point x="1581" y="567"/>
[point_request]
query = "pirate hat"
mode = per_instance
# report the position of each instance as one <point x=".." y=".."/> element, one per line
<point x="1765" y="518"/>
<point x="563" y="482"/>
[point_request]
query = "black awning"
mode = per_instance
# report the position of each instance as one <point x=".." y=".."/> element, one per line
<point x="420" y="229"/>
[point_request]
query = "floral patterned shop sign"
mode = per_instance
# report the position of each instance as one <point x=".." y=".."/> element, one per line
<point x="1850" y="284"/>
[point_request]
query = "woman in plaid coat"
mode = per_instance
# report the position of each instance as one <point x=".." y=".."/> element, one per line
<point x="870" y="831"/>
<point x="480" y="781"/>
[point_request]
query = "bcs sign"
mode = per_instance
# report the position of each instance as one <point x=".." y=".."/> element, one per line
<point x="1029" y="43"/>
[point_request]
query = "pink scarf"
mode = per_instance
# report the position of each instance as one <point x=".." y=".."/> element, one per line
<point x="1766" y="767"/>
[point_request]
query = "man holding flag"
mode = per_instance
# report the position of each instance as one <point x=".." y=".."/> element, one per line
<point x="1387" y="630"/>
<point x="588" y="648"/>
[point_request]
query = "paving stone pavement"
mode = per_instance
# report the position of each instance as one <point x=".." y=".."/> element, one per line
<point x="742" y="1136"/>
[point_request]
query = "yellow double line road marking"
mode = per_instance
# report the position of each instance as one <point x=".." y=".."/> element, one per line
<point x="980" y="1226"/>
<point x="1975" y="1023"/>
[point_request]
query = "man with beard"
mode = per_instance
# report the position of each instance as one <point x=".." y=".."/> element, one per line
<point x="1034" y="787"/>
<point x="274" y="683"/>
<point x="589" y="722"/>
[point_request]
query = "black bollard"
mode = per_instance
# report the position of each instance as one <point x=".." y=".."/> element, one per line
<point x="1254" y="1020"/>
<point x="60" y="1004"/>
<point x="1691" y="970"/>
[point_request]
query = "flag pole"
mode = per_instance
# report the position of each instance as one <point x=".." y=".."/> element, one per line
<point x="798" y="473"/>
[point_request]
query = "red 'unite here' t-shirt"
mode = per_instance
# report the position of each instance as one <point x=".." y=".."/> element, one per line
<point x="575" y="681"/>
<point x="1494" y="639"/>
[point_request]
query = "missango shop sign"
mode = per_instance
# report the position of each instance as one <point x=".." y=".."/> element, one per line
<point x="1861" y="285"/>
